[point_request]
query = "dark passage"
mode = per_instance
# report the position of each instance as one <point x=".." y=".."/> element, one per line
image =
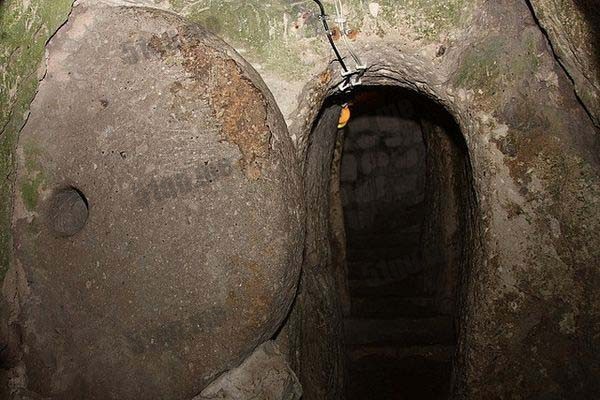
<point x="404" y="194"/>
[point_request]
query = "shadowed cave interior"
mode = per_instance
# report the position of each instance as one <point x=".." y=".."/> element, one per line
<point x="182" y="217"/>
<point x="404" y="187"/>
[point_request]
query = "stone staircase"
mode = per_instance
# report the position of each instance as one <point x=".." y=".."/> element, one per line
<point x="398" y="346"/>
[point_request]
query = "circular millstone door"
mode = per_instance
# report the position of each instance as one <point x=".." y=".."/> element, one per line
<point x="157" y="224"/>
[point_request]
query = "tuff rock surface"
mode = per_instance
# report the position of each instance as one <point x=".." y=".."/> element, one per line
<point x="157" y="224"/>
<point x="264" y="375"/>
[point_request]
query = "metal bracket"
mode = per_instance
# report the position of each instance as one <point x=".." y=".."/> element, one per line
<point x="351" y="77"/>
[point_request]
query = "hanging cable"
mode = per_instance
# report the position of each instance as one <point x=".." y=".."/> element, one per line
<point x="342" y="23"/>
<point x="323" y="18"/>
<point x="352" y="77"/>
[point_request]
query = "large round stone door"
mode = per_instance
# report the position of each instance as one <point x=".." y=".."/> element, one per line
<point x="158" y="221"/>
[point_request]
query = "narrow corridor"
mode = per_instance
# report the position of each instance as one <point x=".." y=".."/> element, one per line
<point x="402" y="267"/>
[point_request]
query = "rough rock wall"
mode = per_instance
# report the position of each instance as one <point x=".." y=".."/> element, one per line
<point x="284" y="41"/>
<point x="338" y="226"/>
<point x="531" y="320"/>
<point x="534" y="153"/>
<point x="316" y="320"/>
<point x="573" y="28"/>
<point x="532" y="305"/>
<point x="263" y="375"/>
<point x="24" y="30"/>
<point x="447" y="204"/>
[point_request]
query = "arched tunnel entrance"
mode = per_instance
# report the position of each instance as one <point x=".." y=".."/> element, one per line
<point x="400" y="204"/>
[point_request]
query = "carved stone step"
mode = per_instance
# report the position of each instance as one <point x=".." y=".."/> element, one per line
<point x="393" y="307"/>
<point x="399" y="356"/>
<point x="405" y="331"/>
<point x="410" y="286"/>
<point x="424" y="375"/>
